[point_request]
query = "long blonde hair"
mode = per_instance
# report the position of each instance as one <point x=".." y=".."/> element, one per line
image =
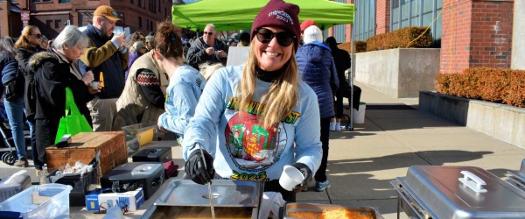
<point x="22" y="41"/>
<point x="280" y="99"/>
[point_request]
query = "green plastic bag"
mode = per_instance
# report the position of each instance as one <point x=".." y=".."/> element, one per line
<point x="73" y="121"/>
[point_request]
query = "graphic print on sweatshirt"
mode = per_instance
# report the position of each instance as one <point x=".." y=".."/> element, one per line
<point x="251" y="146"/>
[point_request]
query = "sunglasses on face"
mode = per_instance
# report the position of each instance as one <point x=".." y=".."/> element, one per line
<point x="208" y="33"/>
<point x="283" y="38"/>
<point x="38" y="35"/>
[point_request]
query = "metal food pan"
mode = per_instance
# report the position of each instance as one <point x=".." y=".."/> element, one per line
<point x="314" y="210"/>
<point x="436" y="192"/>
<point x="227" y="193"/>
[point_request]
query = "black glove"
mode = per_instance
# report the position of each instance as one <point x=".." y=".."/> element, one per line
<point x="194" y="167"/>
<point x="307" y="173"/>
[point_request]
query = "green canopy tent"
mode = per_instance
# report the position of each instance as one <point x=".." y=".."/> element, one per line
<point x="239" y="14"/>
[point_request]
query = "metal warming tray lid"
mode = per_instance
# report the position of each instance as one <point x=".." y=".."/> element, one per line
<point x="517" y="178"/>
<point x="227" y="193"/>
<point x="459" y="192"/>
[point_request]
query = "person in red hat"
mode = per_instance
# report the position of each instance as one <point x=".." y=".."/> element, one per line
<point x="255" y="120"/>
<point x="306" y="24"/>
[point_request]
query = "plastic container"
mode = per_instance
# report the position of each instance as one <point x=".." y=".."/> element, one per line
<point x="359" y="115"/>
<point x="80" y="185"/>
<point x="43" y="201"/>
<point x="14" y="184"/>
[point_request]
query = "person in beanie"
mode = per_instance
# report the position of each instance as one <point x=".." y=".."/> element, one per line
<point x="317" y="68"/>
<point x="253" y="120"/>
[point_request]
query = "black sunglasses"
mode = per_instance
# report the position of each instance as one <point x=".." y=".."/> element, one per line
<point x="208" y="33"/>
<point x="38" y="35"/>
<point x="283" y="38"/>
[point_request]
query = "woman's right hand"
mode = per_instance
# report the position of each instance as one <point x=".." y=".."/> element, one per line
<point x="196" y="169"/>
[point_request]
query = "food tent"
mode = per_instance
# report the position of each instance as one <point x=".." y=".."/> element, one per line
<point x="239" y="14"/>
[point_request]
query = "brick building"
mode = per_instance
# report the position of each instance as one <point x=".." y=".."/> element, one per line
<point x="52" y="15"/>
<point x="10" y="19"/>
<point x="471" y="33"/>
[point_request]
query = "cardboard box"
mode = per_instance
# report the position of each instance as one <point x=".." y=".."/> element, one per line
<point x="109" y="148"/>
<point x="130" y="201"/>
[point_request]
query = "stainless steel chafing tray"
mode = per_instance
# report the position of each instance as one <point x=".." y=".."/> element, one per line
<point x="517" y="178"/>
<point x="457" y="192"/>
<point x="230" y="198"/>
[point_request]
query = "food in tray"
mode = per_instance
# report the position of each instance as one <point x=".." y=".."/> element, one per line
<point x="333" y="213"/>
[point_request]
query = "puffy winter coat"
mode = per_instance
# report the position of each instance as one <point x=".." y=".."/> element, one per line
<point x="317" y="68"/>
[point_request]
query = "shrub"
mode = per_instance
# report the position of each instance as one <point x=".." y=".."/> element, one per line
<point x="403" y="38"/>
<point x="491" y="84"/>
<point x="360" y="46"/>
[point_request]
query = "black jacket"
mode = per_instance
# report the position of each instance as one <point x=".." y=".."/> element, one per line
<point x="22" y="56"/>
<point x="197" y="53"/>
<point x="10" y="74"/>
<point x="52" y="76"/>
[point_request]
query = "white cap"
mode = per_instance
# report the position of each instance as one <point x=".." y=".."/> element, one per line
<point x="312" y="33"/>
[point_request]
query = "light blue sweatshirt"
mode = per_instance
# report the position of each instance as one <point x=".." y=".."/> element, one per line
<point x="242" y="148"/>
<point x="183" y="92"/>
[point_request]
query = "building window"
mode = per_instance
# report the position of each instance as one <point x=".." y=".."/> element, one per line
<point x="364" y="25"/>
<point x="339" y="30"/>
<point x="57" y="24"/>
<point x="64" y="1"/>
<point x="406" y="13"/>
<point x="140" y="22"/>
<point x="41" y="1"/>
<point x="48" y="23"/>
<point x="131" y="1"/>
<point x="140" y="3"/>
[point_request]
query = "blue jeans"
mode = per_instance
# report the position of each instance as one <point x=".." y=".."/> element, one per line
<point x="15" y="115"/>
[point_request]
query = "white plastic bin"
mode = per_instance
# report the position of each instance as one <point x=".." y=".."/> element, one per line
<point x="55" y="202"/>
<point x="359" y="115"/>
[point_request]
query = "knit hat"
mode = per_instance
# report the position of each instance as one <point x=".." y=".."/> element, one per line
<point x="312" y="33"/>
<point x="278" y="14"/>
<point x="306" y="24"/>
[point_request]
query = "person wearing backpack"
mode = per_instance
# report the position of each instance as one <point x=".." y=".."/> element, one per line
<point x="13" y="83"/>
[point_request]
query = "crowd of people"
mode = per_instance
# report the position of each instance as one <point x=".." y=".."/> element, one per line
<point x="238" y="122"/>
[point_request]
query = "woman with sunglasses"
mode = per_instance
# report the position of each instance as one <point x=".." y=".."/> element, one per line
<point x="253" y="120"/>
<point x="27" y="44"/>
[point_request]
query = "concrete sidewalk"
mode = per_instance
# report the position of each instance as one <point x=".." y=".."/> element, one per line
<point x="395" y="136"/>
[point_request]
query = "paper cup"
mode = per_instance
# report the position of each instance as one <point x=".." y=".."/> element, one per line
<point x="290" y="177"/>
<point x="94" y="85"/>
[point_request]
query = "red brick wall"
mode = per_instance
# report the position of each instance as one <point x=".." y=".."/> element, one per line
<point x="382" y="16"/>
<point x="476" y="33"/>
<point x="491" y="34"/>
<point x="79" y="12"/>
<point x="4" y="21"/>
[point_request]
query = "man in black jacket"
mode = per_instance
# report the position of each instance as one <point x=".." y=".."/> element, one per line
<point x="106" y="55"/>
<point x="207" y="49"/>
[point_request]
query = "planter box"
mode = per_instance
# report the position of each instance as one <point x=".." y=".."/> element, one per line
<point x="398" y="72"/>
<point x="501" y="121"/>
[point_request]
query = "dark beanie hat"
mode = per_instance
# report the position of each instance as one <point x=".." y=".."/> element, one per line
<point x="279" y="14"/>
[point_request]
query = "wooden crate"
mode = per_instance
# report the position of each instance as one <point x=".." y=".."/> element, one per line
<point x="110" y="147"/>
